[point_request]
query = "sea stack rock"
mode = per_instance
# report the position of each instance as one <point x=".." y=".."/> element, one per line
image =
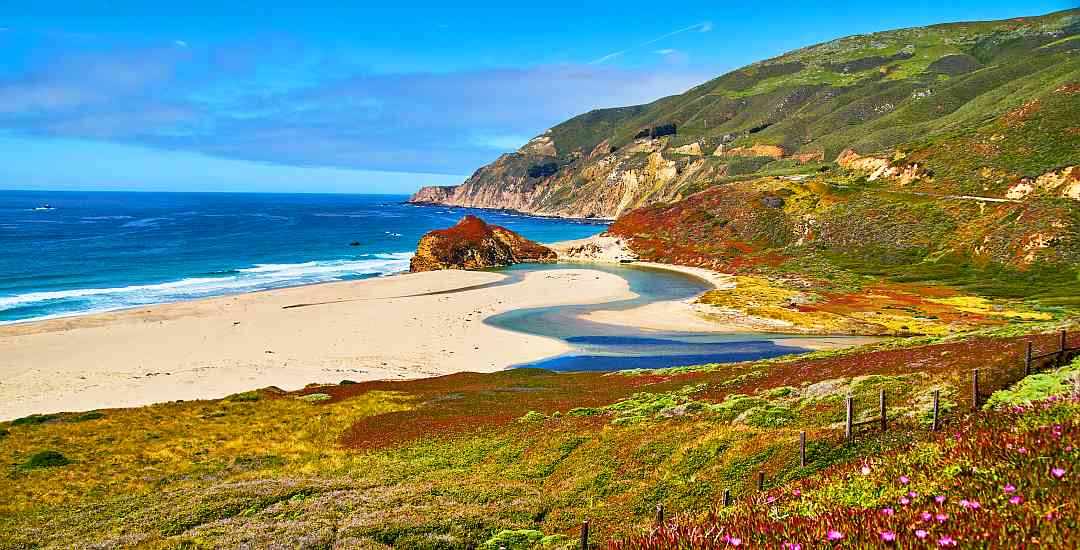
<point x="473" y="244"/>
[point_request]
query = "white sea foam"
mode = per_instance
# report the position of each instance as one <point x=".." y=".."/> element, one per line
<point x="259" y="277"/>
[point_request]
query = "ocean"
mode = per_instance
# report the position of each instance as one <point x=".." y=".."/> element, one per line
<point x="101" y="251"/>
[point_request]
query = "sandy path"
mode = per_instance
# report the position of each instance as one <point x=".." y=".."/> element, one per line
<point x="360" y="330"/>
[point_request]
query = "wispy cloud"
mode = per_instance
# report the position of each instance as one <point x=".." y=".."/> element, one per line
<point x="665" y="51"/>
<point x="234" y="102"/>
<point x="704" y="26"/>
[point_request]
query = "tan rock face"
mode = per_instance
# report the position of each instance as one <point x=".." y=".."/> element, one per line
<point x="601" y="183"/>
<point x="878" y="168"/>
<point x="756" y="150"/>
<point x="1061" y="183"/>
<point x="434" y="194"/>
<point x="689" y="149"/>
<point x="473" y="244"/>
<point x="809" y="156"/>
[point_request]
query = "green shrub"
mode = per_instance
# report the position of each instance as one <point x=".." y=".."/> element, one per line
<point x="1036" y="387"/>
<point x="46" y="459"/>
<point x="513" y="539"/>
<point x="35" y="419"/>
<point x="92" y="415"/>
<point x="769" y="416"/>
<point x="245" y="397"/>
<point x="533" y="416"/>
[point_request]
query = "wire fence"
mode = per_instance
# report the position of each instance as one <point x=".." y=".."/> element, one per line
<point x="1032" y="364"/>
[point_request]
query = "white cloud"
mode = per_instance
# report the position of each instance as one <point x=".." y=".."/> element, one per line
<point x="665" y="51"/>
<point x="704" y="26"/>
<point x="181" y="43"/>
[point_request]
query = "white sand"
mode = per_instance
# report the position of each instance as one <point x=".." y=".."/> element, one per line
<point x="216" y="347"/>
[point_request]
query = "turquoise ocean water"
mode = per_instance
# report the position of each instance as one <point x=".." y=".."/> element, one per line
<point x="98" y="251"/>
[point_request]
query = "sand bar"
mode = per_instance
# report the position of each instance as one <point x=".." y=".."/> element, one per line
<point x="382" y="328"/>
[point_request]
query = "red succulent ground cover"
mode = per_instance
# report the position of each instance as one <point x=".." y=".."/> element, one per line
<point x="467" y="403"/>
<point x="470" y="402"/>
<point x="994" y="480"/>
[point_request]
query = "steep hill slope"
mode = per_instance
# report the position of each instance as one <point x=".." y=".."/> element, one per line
<point x="927" y="105"/>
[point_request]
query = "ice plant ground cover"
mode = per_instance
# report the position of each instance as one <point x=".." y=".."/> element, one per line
<point x="520" y="458"/>
<point x="1001" y="479"/>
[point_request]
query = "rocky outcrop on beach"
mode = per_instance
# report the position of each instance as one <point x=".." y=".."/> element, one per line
<point x="473" y="244"/>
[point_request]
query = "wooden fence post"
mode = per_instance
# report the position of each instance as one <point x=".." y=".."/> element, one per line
<point x="727" y="498"/>
<point x="659" y="515"/>
<point x="761" y="480"/>
<point x="585" y="535"/>
<point x="802" y="449"/>
<point x="848" y="407"/>
<point x="1027" y="360"/>
<point x="934" y="426"/>
<point x="1061" y="348"/>
<point x="975" y="389"/>
<point x="884" y="418"/>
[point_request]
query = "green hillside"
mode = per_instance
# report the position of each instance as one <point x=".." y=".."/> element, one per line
<point x="868" y="92"/>
<point x="970" y="108"/>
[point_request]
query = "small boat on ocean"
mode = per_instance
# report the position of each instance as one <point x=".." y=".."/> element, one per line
<point x="45" y="206"/>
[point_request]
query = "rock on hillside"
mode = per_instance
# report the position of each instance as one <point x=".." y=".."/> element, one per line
<point x="473" y="244"/>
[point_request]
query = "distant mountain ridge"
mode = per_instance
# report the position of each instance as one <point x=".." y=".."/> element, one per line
<point x="906" y="106"/>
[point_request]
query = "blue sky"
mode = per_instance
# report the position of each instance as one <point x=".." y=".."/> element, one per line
<point x="320" y="97"/>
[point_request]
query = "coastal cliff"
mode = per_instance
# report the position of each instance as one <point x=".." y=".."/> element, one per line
<point x="905" y="108"/>
<point x="473" y="244"/>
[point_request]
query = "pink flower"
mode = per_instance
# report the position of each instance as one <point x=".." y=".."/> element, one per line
<point x="921" y="533"/>
<point x="887" y="511"/>
<point x="1058" y="472"/>
<point x="1010" y="488"/>
<point x="797" y="493"/>
<point x="888" y="536"/>
<point x="770" y="500"/>
<point x="735" y="541"/>
<point x="940" y="499"/>
<point x="1022" y="450"/>
<point x="941" y="517"/>
<point x="904" y="480"/>
<point x="946" y="541"/>
<point x="913" y="494"/>
<point x="1016" y="500"/>
<point x="834" y="535"/>
<point x="905" y="501"/>
<point x="865" y="470"/>
<point x="925" y="516"/>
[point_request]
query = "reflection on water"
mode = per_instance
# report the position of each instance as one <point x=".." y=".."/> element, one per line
<point x="604" y="347"/>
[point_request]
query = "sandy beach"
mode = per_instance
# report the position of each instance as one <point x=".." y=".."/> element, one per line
<point x="381" y="328"/>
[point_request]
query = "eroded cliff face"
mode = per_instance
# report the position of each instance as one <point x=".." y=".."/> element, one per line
<point x="473" y="244"/>
<point x="604" y="183"/>
<point x="434" y="194"/>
